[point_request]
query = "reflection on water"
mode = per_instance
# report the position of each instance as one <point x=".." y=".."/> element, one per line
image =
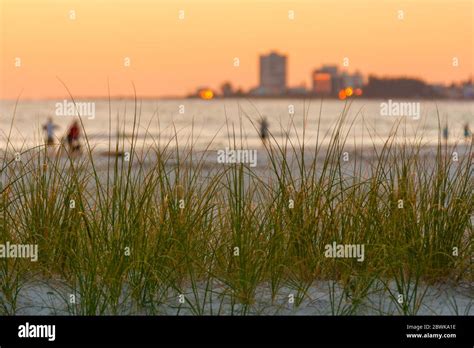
<point x="206" y="120"/>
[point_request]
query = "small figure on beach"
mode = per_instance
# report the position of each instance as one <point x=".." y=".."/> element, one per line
<point x="445" y="133"/>
<point x="49" y="127"/>
<point x="264" y="129"/>
<point x="467" y="131"/>
<point x="72" y="137"/>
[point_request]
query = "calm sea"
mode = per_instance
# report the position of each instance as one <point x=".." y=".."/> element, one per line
<point x="212" y="121"/>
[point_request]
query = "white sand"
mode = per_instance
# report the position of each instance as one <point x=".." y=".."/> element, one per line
<point x="51" y="299"/>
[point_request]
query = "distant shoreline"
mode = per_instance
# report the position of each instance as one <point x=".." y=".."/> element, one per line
<point x="167" y="98"/>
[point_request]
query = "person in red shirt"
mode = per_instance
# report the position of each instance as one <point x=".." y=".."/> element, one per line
<point x="73" y="137"/>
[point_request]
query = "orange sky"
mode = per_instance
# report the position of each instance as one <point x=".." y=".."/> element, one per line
<point x="170" y="56"/>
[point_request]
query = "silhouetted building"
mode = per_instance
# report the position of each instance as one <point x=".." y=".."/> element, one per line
<point x="397" y="88"/>
<point x="351" y="80"/>
<point x="468" y="89"/>
<point x="227" y="90"/>
<point x="326" y="81"/>
<point x="322" y="84"/>
<point x="272" y="75"/>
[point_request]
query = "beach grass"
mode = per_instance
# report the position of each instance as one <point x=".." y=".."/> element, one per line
<point x="138" y="238"/>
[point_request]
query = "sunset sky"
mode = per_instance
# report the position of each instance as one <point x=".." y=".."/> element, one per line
<point x="172" y="56"/>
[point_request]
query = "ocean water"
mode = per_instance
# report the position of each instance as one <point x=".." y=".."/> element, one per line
<point x="214" y="122"/>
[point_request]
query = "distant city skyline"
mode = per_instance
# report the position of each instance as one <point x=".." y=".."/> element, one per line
<point x="333" y="81"/>
<point x="170" y="49"/>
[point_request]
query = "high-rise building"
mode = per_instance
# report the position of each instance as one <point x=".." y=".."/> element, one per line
<point x="322" y="83"/>
<point x="272" y="74"/>
<point x="351" y="80"/>
<point x="326" y="81"/>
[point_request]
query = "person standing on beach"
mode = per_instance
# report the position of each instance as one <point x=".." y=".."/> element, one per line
<point x="49" y="127"/>
<point x="445" y="133"/>
<point x="264" y="129"/>
<point x="467" y="131"/>
<point x="73" y="137"/>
